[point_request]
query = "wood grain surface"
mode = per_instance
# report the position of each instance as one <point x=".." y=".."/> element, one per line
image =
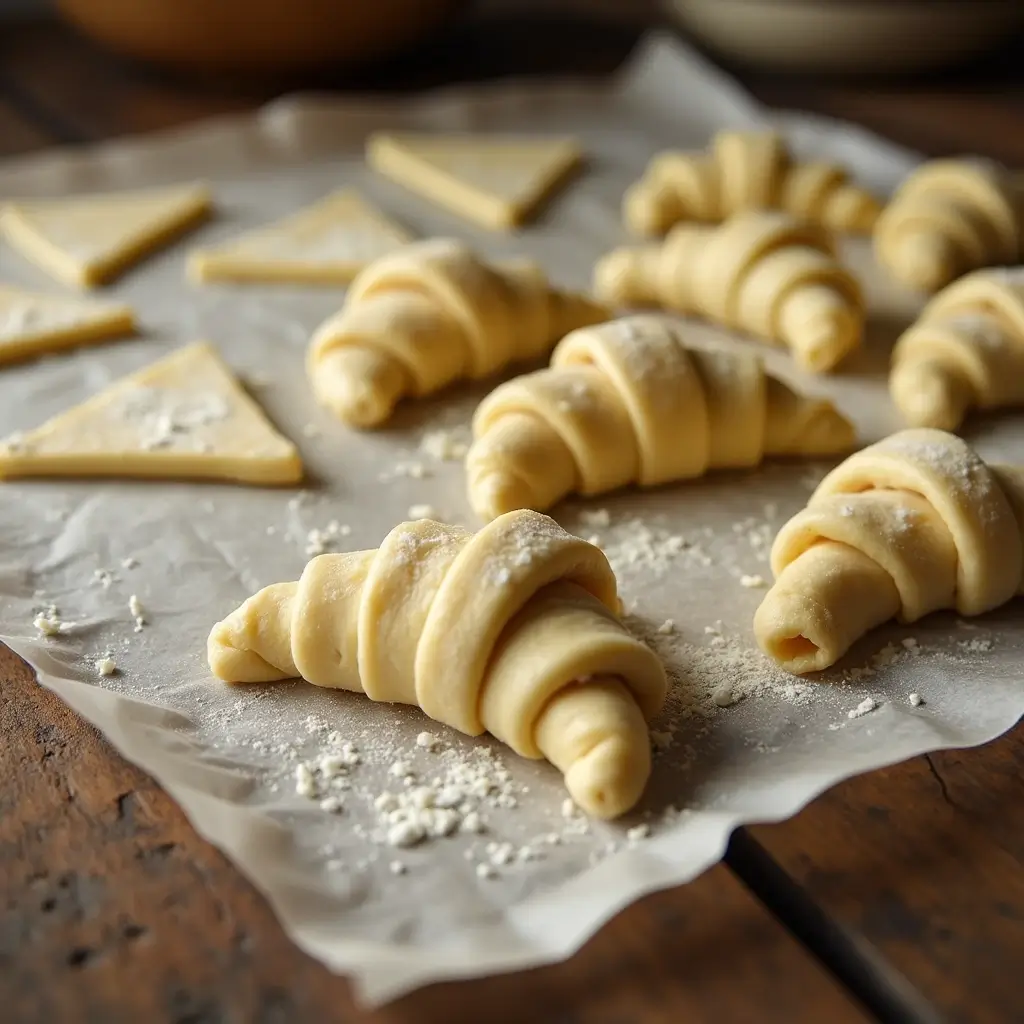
<point x="898" y="896"/>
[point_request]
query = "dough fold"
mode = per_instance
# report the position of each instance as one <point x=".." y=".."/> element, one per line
<point x="947" y="218"/>
<point x="745" y="171"/>
<point x="512" y="630"/>
<point x="431" y="313"/>
<point x="966" y="351"/>
<point x="907" y="526"/>
<point x="631" y="402"/>
<point x="765" y="273"/>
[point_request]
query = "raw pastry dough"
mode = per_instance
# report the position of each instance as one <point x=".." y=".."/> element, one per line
<point x="497" y="181"/>
<point x="184" y="416"/>
<point x="761" y="272"/>
<point x="328" y="242"/>
<point x="628" y="402"/>
<point x="32" y="323"/>
<point x="84" y="241"/>
<point x="915" y="523"/>
<point x="966" y="351"/>
<point x="512" y="630"/>
<point x="429" y="314"/>
<point x="745" y="171"/>
<point x="949" y="217"/>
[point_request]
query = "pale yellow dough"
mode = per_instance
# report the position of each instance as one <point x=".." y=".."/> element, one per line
<point x="745" y="171"/>
<point x="185" y="416"/>
<point x="34" y="324"/>
<point x="965" y="352"/>
<point x="430" y="314"/>
<point x="512" y="631"/>
<point x="910" y="525"/>
<point x="497" y="181"/>
<point x="328" y="242"/>
<point x="631" y="402"/>
<point x="85" y="241"/>
<point x="762" y="272"/>
<point x="949" y="217"/>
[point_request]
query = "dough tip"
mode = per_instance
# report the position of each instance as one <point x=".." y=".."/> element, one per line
<point x="609" y="779"/>
<point x="929" y="396"/>
<point x="784" y="625"/>
<point x="494" y="492"/>
<point x="925" y="260"/>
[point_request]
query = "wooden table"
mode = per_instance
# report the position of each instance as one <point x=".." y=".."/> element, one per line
<point x="897" y="896"/>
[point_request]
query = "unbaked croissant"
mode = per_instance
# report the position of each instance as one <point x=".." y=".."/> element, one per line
<point x="629" y="401"/>
<point x="512" y="630"/>
<point x="431" y="313"/>
<point x="761" y="272"/>
<point x="745" y="171"/>
<point x="949" y="217"/>
<point x="912" y="524"/>
<point x="965" y="351"/>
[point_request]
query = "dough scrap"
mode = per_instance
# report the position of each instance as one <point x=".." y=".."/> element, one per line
<point x="328" y="242"/>
<point x="762" y="272"/>
<point x="947" y="218"/>
<point x="630" y="401"/>
<point x="185" y="416"/>
<point x="497" y="181"/>
<point x="966" y="351"/>
<point x="512" y="630"/>
<point x="85" y="241"/>
<point x="750" y="170"/>
<point x="429" y="314"/>
<point x="34" y="323"/>
<point x="910" y="525"/>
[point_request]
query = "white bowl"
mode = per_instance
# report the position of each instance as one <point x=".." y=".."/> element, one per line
<point x="849" y="35"/>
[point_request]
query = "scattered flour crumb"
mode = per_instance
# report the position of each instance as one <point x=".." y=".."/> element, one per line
<point x="105" y="666"/>
<point x="137" y="612"/>
<point x="49" y="623"/>
<point x="332" y="804"/>
<point x="485" y="871"/>
<point x="305" y="782"/>
<point x="444" y="445"/>
<point x="428" y="741"/>
<point x="667" y="628"/>
<point x="422" y="511"/>
<point x="129" y="563"/>
<point x="404" y="834"/>
<point x="865" y="707"/>
<point x="396" y="867"/>
<point x="753" y="582"/>
<point x="916" y="700"/>
<point x="638" y="832"/>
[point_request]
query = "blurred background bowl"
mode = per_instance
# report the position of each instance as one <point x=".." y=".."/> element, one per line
<point x="257" y="36"/>
<point x="849" y="36"/>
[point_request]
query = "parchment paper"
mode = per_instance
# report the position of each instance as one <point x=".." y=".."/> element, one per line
<point x="229" y="755"/>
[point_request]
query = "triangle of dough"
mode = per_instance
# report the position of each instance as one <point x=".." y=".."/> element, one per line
<point x="86" y="240"/>
<point x="185" y="416"/>
<point x="326" y="243"/>
<point x="32" y="323"/>
<point x="496" y="180"/>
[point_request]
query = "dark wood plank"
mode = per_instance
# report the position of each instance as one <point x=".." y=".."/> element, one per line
<point x="921" y="866"/>
<point x="113" y="909"/>
<point x="18" y="135"/>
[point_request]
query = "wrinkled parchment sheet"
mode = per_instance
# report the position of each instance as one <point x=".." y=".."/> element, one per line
<point x="391" y="918"/>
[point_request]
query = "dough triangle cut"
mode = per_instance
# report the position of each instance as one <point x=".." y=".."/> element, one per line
<point x="328" y="242"/>
<point x="185" y="416"/>
<point x="496" y="180"/>
<point x="33" y="323"/>
<point x="85" y="241"/>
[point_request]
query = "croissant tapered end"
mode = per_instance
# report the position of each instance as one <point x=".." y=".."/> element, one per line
<point x="826" y="431"/>
<point x="929" y="393"/>
<point x="360" y="386"/>
<point x="851" y="209"/>
<point x="252" y="645"/>
<point x="621" y="277"/>
<point x="597" y="736"/>
<point x="647" y="208"/>
<point x="923" y="259"/>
